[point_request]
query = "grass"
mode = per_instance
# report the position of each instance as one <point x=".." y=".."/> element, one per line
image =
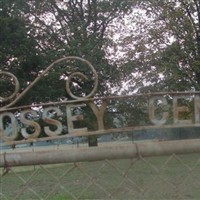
<point x="150" y="178"/>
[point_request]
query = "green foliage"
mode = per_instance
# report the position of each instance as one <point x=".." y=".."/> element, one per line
<point x="36" y="33"/>
<point x="161" y="52"/>
<point x="165" y="43"/>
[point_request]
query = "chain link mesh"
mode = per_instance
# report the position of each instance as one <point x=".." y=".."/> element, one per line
<point x="164" y="177"/>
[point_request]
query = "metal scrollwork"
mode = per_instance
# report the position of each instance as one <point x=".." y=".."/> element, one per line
<point x="45" y="72"/>
<point x="83" y="77"/>
<point x="15" y="82"/>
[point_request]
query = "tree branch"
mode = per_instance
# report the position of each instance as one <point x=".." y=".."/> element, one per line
<point x="60" y="22"/>
<point x="190" y="17"/>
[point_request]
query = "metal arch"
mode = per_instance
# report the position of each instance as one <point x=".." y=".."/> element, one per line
<point x="16" y="84"/>
<point x="43" y="74"/>
<point x="82" y="76"/>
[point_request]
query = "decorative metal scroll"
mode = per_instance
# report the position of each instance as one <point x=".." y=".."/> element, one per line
<point x="135" y="112"/>
<point x="20" y="95"/>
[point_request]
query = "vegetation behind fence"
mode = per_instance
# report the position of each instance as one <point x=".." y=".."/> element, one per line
<point x="110" y="171"/>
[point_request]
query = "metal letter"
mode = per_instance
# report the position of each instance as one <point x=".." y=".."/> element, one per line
<point x="71" y="118"/>
<point x="51" y="121"/>
<point x="152" y="111"/>
<point x="35" y="125"/>
<point x="14" y="130"/>
<point x="99" y="112"/>
<point x="177" y="110"/>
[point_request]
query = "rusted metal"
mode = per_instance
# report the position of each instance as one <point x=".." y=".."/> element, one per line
<point x="99" y="132"/>
<point x="155" y="121"/>
<point x="152" y="111"/>
<point x="15" y="81"/>
<point x="107" y="98"/>
<point x="54" y="122"/>
<point x="99" y="113"/>
<point x="45" y="72"/>
<point x="180" y="109"/>
<point x="119" y="151"/>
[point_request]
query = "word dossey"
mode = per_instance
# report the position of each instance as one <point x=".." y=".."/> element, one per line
<point x="27" y="123"/>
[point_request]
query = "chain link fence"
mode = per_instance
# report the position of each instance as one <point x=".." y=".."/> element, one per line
<point x="116" y="175"/>
<point x="136" y="169"/>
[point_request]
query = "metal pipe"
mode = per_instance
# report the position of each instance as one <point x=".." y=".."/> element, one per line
<point x="108" y="98"/>
<point x="99" y="132"/>
<point x="111" y="151"/>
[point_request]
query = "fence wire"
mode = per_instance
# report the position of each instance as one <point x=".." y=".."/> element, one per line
<point x="163" y="177"/>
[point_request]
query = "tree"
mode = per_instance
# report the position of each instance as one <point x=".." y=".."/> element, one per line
<point x="19" y="54"/>
<point x="63" y="28"/>
<point x="158" y="48"/>
<point x="162" y="48"/>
